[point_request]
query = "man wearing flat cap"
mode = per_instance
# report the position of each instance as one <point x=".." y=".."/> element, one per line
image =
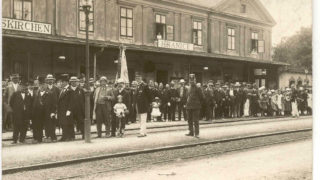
<point x="194" y="100"/>
<point x="102" y="111"/>
<point x="182" y="100"/>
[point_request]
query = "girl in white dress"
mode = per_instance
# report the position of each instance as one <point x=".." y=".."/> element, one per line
<point x="156" y="109"/>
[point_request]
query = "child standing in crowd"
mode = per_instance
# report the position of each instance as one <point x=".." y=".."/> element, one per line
<point x="120" y="109"/>
<point x="156" y="109"/>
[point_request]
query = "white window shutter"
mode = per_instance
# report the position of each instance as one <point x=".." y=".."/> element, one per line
<point x="261" y="46"/>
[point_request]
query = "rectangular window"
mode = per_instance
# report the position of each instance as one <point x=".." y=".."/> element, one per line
<point x="170" y="33"/>
<point x="126" y="22"/>
<point x="243" y="8"/>
<point x="161" y="29"/>
<point x="261" y="46"/>
<point x="22" y="9"/>
<point x="231" y="39"/>
<point x="82" y="17"/>
<point x="254" y="42"/>
<point x="197" y="33"/>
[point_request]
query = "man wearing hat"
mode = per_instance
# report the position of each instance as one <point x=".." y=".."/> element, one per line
<point x="20" y="102"/>
<point x="102" y="111"/>
<point x="44" y="109"/>
<point x="92" y="89"/>
<point x="54" y="90"/>
<point x="209" y="101"/>
<point x="173" y="96"/>
<point x="194" y="100"/>
<point x="12" y="87"/>
<point x="76" y="109"/>
<point x="143" y="99"/>
<point x="63" y="107"/>
<point x="182" y="99"/>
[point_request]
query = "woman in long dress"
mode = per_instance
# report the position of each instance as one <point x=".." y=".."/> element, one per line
<point x="246" y="107"/>
<point x="279" y="103"/>
<point x="309" y="102"/>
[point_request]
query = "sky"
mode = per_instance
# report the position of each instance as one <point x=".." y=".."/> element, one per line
<point x="290" y="16"/>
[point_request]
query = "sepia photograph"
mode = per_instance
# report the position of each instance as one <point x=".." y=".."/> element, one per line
<point x="157" y="89"/>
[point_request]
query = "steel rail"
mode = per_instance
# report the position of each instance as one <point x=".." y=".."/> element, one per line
<point x="144" y="151"/>
<point x="225" y="121"/>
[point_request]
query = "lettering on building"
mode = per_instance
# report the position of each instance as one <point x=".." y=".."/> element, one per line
<point x="28" y="26"/>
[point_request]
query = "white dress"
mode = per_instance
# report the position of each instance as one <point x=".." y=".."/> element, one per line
<point x="246" y="107"/>
<point x="155" y="109"/>
<point x="310" y="100"/>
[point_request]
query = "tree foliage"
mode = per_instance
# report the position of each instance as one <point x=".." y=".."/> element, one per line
<point x="296" y="50"/>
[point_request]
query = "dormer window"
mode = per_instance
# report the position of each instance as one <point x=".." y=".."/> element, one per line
<point x="243" y="8"/>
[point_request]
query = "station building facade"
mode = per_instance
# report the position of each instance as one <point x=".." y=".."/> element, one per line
<point x="222" y="40"/>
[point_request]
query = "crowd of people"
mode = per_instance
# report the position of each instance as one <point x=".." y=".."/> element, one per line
<point x="46" y="103"/>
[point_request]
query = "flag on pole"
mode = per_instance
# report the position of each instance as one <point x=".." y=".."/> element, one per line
<point x="123" y="66"/>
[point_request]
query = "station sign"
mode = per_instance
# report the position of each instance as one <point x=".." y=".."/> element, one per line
<point x="27" y="26"/>
<point x="175" y="45"/>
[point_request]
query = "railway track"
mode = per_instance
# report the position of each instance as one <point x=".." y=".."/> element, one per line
<point x="224" y="121"/>
<point x="166" y="148"/>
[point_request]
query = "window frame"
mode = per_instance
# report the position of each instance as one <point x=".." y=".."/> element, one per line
<point x="126" y="20"/>
<point x="233" y="38"/>
<point x="22" y="10"/>
<point x="80" y="10"/>
<point x="196" y="31"/>
<point x="163" y="24"/>
<point x="254" y="40"/>
<point x="243" y="9"/>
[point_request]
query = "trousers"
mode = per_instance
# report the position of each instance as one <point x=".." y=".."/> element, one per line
<point x="143" y="123"/>
<point x="103" y="117"/>
<point x="193" y="121"/>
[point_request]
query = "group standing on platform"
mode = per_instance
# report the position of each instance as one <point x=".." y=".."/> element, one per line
<point x="45" y="104"/>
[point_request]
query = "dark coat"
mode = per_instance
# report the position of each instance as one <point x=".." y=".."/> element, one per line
<point x="182" y="99"/>
<point x="76" y="103"/>
<point x="21" y="108"/>
<point x="173" y="95"/>
<point x="125" y="96"/>
<point x="143" y="99"/>
<point x="43" y="106"/>
<point x="63" y="106"/>
<point x="195" y="98"/>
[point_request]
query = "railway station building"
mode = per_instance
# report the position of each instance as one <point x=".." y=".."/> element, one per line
<point x="222" y="40"/>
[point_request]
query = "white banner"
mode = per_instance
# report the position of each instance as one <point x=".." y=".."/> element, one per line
<point x="175" y="45"/>
<point x="28" y="26"/>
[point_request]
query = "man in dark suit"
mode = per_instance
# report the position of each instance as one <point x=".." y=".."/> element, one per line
<point x="172" y="101"/>
<point x="194" y="100"/>
<point x="20" y="103"/>
<point x="44" y="108"/>
<point x="208" y="93"/>
<point x="55" y="91"/>
<point x="63" y="106"/>
<point x="76" y="106"/>
<point x="182" y="99"/>
<point x="142" y="105"/>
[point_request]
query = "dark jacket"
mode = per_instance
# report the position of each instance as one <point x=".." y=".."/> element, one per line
<point x="63" y="105"/>
<point x="194" y="98"/>
<point x="143" y="99"/>
<point x="76" y="103"/>
<point x="43" y="106"/>
<point x="21" y="108"/>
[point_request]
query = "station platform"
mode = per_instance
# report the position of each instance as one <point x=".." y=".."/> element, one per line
<point x="32" y="154"/>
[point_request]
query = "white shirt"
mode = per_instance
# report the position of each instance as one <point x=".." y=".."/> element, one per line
<point x="42" y="93"/>
<point x="15" y="86"/>
<point x="231" y="92"/>
<point x="23" y="95"/>
<point x="30" y="92"/>
<point x="73" y="88"/>
<point x="50" y="86"/>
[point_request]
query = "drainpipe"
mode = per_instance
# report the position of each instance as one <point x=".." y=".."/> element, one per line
<point x="209" y="33"/>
